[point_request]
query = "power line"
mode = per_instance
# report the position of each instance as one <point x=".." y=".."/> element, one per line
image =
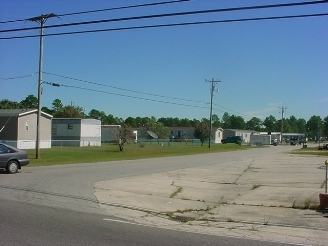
<point x="121" y="95"/>
<point x="172" y="25"/>
<point x="135" y="97"/>
<point x="126" y="7"/>
<point x="19" y="77"/>
<point x="119" y="88"/>
<point x="232" y="111"/>
<point x="108" y="9"/>
<point x="123" y="89"/>
<point x="172" y="14"/>
<point x="188" y="100"/>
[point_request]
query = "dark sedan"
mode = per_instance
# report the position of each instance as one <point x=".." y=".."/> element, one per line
<point x="12" y="158"/>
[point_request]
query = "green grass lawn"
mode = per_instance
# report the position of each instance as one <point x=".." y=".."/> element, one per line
<point x="311" y="151"/>
<point x="57" y="155"/>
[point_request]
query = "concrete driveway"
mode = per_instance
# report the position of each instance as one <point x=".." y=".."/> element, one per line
<point x="272" y="196"/>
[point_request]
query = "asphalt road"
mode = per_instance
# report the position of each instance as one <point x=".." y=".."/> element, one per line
<point x="27" y="224"/>
<point x="55" y="205"/>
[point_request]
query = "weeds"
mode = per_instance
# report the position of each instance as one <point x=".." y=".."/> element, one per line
<point x="255" y="186"/>
<point x="307" y="203"/>
<point x="323" y="184"/>
<point x="230" y="219"/>
<point x="183" y="219"/>
<point x="293" y="203"/>
<point x="170" y="214"/>
<point x="222" y="201"/>
<point x="178" y="190"/>
<point x="142" y="145"/>
<point x="266" y="220"/>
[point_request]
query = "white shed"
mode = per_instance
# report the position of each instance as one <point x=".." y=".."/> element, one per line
<point x="218" y="135"/>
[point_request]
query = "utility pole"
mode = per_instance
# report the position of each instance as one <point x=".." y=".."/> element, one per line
<point x="213" y="82"/>
<point x="41" y="20"/>
<point x="282" y="120"/>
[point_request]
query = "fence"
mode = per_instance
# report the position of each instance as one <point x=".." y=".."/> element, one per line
<point x="27" y="144"/>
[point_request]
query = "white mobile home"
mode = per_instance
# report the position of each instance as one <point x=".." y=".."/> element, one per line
<point x="76" y="132"/>
<point x="245" y="134"/>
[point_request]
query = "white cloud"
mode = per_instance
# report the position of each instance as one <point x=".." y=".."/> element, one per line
<point x="270" y="109"/>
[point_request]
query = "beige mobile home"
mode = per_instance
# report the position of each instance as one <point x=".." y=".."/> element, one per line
<point x="18" y="128"/>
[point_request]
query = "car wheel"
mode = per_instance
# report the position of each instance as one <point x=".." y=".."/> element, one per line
<point x="12" y="167"/>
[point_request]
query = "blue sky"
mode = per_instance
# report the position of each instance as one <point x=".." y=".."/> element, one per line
<point x="262" y="65"/>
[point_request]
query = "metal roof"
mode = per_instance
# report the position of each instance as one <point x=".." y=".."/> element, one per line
<point x="20" y="112"/>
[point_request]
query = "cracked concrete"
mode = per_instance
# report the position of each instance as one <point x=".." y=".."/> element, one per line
<point x="253" y="198"/>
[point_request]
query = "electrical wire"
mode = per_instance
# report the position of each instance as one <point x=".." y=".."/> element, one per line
<point x="170" y="25"/>
<point x="125" y="7"/>
<point x="121" y="95"/>
<point x="149" y="94"/>
<point x="240" y="114"/>
<point x="140" y="98"/>
<point x="171" y="15"/>
<point x="19" y="77"/>
<point x="123" y="89"/>
<point x="108" y="9"/>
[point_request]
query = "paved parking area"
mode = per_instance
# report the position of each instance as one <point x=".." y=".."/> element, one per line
<point x="270" y="197"/>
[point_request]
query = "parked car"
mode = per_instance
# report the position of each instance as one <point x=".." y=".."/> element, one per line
<point x="233" y="139"/>
<point x="295" y="141"/>
<point x="274" y="142"/>
<point x="12" y="158"/>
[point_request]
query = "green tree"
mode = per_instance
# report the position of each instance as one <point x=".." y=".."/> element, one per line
<point x="292" y="125"/>
<point x="131" y="122"/>
<point x="185" y="122"/>
<point x="69" y="112"/>
<point x="301" y="126"/>
<point x="314" y="127"/>
<point x="99" y="115"/>
<point x="142" y="121"/>
<point x="226" y="121"/>
<point x="325" y="126"/>
<point x="30" y="101"/>
<point x="111" y="120"/>
<point x="216" y="120"/>
<point x="237" y="122"/>
<point x="170" y="122"/>
<point x="202" y="131"/>
<point x="162" y="131"/>
<point x="57" y="105"/>
<point x="7" y="104"/>
<point x="122" y="134"/>
<point x="194" y="122"/>
<point x="270" y="123"/>
<point x="254" y="124"/>
<point x="119" y="121"/>
<point x="158" y="128"/>
<point x="286" y="125"/>
<point x="47" y="110"/>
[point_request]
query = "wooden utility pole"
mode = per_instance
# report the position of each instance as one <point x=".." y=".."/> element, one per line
<point x="213" y="82"/>
<point x="41" y="20"/>
<point x="282" y="121"/>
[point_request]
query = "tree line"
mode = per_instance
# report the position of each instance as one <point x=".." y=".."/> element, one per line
<point x="313" y="128"/>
